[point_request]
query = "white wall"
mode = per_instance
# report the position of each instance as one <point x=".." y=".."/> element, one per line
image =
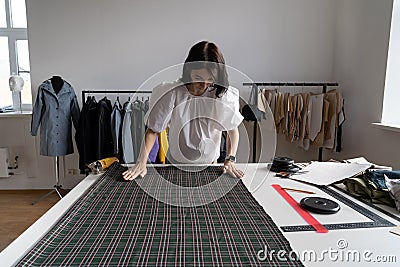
<point x="119" y="44"/>
<point x="363" y="28"/>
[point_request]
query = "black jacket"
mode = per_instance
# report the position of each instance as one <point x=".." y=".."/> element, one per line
<point x="86" y="134"/>
<point x="105" y="144"/>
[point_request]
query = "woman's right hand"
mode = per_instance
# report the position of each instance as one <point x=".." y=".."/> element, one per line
<point x="138" y="170"/>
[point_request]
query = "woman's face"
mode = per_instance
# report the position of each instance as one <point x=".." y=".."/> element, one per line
<point x="201" y="80"/>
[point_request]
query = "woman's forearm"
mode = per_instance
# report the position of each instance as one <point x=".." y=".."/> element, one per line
<point x="147" y="145"/>
<point x="232" y="142"/>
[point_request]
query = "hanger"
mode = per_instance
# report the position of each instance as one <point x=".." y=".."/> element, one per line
<point x="105" y="94"/>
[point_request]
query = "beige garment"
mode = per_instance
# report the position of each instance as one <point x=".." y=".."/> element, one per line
<point x="262" y="102"/>
<point x="340" y="116"/>
<point x="304" y="122"/>
<point x="268" y="96"/>
<point x="298" y="109"/>
<point x="291" y="117"/>
<point x="316" y="116"/>
<point x="319" y="139"/>
<point x="295" y="105"/>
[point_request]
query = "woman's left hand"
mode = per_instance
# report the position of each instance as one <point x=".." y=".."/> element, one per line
<point x="230" y="168"/>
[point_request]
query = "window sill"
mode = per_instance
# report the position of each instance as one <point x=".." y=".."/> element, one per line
<point x="16" y="114"/>
<point x="387" y="127"/>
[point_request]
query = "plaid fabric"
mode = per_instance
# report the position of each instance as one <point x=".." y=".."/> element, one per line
<point x="116" y="223"/>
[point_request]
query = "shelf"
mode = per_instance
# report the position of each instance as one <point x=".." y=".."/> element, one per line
<point x="16" y="114"/>
<point x="388" y="127"/>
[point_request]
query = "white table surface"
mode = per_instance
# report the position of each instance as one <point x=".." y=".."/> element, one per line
<point x="370" y="244"/>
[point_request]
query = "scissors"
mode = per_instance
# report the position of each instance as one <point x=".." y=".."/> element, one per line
<point x="288" y="174"/>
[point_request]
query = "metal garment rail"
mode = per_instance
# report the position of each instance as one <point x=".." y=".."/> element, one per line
<point x="84" y="92"/>
<point x="324" y="86"/>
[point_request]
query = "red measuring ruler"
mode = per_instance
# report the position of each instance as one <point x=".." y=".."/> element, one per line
<point x="319" y="228"/>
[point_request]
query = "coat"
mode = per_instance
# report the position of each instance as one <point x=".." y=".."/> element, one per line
<point x="55" y="113"/>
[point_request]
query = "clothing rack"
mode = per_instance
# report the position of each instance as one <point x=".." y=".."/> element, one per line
<point x="324" y="86"/>
<point x="84" y="92"/>
<point x="113" y="93"/>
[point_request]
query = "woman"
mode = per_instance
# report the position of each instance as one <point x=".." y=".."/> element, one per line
<point x="196" y="108"/>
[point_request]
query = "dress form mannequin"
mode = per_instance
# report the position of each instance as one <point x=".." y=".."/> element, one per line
<point x="57" y="82"/>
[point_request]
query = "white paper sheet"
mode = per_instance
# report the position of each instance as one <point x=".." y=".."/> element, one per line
<point x="362" y="160"/>
<point x="395" y="230"/>
<point x="326" y="173"/>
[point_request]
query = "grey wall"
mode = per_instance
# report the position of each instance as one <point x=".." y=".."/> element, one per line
<point x="361" y="37"/>
<point x="119" y="44"/>
<point x="361" y="44"/>
<point x="104" y="44"/>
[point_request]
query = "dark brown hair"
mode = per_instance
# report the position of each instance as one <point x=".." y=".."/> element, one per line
<point x="207" y="55"/>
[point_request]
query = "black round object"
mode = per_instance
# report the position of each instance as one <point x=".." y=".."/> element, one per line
<point x="282" y="161"/>
<point x="291" y="169"/>
<point x="320" y="205"/>
<point x="283" y="164"/>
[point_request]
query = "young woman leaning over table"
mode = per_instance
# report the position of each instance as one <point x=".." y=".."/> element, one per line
<point x="196" y="108"/>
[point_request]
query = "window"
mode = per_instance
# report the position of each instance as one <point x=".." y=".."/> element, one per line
<point x="14" y="53"/>
<point x="391" y="107"/>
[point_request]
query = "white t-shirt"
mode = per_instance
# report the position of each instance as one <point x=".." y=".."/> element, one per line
<point x="195" y="122"/>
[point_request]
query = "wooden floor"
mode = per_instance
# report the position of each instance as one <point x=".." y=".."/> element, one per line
<point x="17" y="212"/>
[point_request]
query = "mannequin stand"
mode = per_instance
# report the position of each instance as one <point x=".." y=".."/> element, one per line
<point x="57" y="186"/>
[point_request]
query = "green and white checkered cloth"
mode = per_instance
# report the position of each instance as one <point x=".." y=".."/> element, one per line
<point x="116" y="223"/>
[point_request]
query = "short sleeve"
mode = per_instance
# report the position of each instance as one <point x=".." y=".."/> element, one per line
<point x="227" y="112"/>
<point x="162" y="102"/>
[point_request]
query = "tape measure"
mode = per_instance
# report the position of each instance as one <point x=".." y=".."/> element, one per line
<point x="376" y="220"/>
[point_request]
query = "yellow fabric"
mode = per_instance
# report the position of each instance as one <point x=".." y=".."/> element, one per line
<point x="163" y="141"/>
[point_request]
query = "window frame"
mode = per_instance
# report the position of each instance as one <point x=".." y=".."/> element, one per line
<point x="391" y="79"/>
<point x="14" y="35"/>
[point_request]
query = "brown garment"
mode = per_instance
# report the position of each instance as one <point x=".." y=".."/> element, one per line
<point x="279" y="113"/>
<point x="285" y="120"/>
<point x="330" y="126"/>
